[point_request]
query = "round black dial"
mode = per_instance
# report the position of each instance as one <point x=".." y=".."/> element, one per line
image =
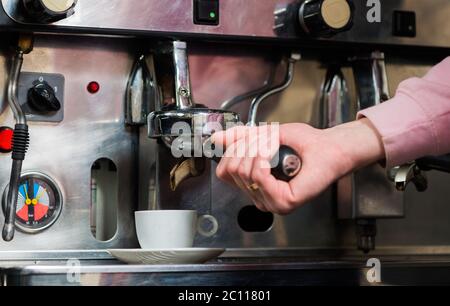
<point x="48" y="11"/>
<point x="325" y="18"/>
<point x="42" y="98"/>
<point x="39" y="203"/>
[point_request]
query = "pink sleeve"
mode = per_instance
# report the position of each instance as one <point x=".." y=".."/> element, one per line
<point x="416" y="122"/>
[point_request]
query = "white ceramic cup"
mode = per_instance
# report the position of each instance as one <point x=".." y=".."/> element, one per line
<point x="171" y="229"/>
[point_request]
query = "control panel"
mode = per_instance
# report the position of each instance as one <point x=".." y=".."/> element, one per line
<point x="393" y="22"/>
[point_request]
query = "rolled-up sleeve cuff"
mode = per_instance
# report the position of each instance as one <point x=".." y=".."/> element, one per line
<point x="405" y="128"/>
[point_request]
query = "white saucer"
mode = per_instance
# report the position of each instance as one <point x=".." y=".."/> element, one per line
<point x="169" y="256"/>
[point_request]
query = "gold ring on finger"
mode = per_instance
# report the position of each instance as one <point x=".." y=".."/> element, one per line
<point x="253" y="187"/>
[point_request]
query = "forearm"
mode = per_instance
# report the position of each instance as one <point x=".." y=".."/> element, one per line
<point x="416" y="122"/>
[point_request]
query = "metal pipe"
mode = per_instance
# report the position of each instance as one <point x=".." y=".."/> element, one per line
<point x="371" y="79"/>
<point x="11" y="204"/>
<point x="228" y="104"/>
<point x="262" y="97"/>
<point x="335" y="99"/>
<point x="20" y="145"/>
<point x="182" y="81"/>
<point x="13" y="82"/>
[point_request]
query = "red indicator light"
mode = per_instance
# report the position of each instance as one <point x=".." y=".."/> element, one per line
<point x="6" y="136"/>
<point x="93" y="87"/>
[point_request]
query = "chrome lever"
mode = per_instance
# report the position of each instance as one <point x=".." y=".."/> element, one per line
<point x="21" y="137"/>
<point x="182" y="78"/>
<point x="257" y="101"/>
<point x="410" y="173"/>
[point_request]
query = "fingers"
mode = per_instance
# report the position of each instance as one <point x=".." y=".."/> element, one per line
<point x="235" y="150"/>
<point x="271" y="191"/>
<point x="237" y="163"/>
<point x="320" y="167"/>
<point x="245" y="170"/>
<point x="247" y="162"/>
<point x="230" y="136"/>
<point x="237" y="167"/>
<point x="277" y="194"/>
<point x="226" y="165"/>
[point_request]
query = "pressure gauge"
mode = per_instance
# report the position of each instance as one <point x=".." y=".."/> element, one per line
<point x="49" y="10"/>
<point x="39" y="202"/>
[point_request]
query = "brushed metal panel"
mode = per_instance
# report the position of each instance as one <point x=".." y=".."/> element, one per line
<point x="93" y="128"/>
<point x="245" y="18"/>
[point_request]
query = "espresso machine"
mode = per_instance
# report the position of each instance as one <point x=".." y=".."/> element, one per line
<point x="92" y="90"/>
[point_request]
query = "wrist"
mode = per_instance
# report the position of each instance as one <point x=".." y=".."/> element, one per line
<point x="360" y="142"/>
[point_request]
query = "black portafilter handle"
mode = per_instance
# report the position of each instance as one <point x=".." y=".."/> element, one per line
<point x="439" y="163"/>
<point x="288" y="163"/>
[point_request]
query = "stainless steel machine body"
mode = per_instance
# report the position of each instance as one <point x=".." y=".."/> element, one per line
<point x="251" y="18"/>
<point x="101" y="42"/>
<point x="93" y="128"/>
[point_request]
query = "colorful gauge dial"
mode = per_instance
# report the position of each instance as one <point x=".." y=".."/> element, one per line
<point x="39" y="203"/>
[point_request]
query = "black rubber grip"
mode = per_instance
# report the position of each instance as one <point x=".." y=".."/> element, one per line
<point x="20" y="141"/>
<point x="439" y="163"/>
<point x="288" y="166"/>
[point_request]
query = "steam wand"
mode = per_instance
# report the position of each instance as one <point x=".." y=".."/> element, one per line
<point x="258" y="100"/>
<point x="287" y="164"/>
<point x="20" y="139"/>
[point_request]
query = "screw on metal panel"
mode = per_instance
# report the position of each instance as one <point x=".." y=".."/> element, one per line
<point x="184" y="92"/>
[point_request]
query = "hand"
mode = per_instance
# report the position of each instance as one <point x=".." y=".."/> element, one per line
<point x="327" y="155"/>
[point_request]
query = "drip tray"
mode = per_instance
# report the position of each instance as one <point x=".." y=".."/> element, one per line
<point x="99" y="268"/>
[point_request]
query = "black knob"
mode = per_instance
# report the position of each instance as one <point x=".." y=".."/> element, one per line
<point x="42" y="98"/>
<point x="48" y="11"/>
<point x="288" y="165"/>
<point x="325" y="18"/>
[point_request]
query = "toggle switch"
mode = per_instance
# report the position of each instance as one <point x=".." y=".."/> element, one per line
<point x="206" y="12"/>
<point x="404" y="24"/>
<point x="6" y="136"/>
